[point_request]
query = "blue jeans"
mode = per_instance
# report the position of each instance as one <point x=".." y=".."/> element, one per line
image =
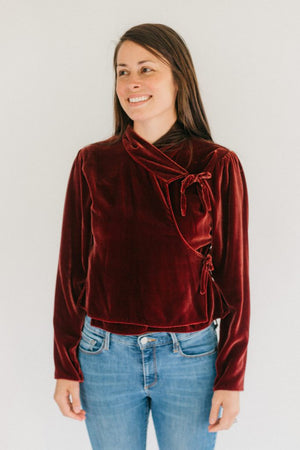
<point x="127" y="375"/>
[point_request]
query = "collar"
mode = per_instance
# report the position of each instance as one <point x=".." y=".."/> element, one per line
<point x="162" y="166"/>
<point x="151" y="157"/>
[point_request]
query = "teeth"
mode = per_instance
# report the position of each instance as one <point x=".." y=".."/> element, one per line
<point x="138" y="99"/>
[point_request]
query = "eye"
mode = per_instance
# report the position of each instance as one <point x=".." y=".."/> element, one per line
<point x="143" y="70"/>
<point x="120" y="73"/>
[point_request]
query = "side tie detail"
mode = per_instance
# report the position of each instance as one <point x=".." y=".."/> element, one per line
<point x="207" y="267"/>
<point x="202" y="185"/>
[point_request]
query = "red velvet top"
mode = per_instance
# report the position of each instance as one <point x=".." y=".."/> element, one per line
<point x="147" y="245"/>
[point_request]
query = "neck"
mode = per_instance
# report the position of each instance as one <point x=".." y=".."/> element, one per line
<point x="152" y="131"/>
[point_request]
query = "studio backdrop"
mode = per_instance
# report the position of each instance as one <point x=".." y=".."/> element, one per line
<point x="57" y="84"/>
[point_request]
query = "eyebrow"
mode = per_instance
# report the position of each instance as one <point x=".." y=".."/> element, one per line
<point x="140" y="62"/>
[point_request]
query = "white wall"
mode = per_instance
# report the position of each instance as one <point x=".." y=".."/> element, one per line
<point x="56" y="96"/>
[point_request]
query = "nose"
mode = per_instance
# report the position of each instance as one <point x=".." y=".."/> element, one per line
<point x="134" y="81"/>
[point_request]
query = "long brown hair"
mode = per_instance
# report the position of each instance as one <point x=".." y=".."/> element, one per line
<point x="167" y="45"/>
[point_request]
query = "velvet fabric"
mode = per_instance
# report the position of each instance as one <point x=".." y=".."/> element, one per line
<point x="147" y="245"/>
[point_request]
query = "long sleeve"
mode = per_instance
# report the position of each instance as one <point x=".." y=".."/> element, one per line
<point x="71" y="274"/>
<point x="231" y="271"/>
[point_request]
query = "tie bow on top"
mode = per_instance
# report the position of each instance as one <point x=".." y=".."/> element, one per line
<point x="202" y="185"/>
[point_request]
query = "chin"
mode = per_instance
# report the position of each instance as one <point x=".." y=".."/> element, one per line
<point x="138" y="117"/>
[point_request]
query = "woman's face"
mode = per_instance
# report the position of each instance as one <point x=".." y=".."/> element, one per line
<point x="145" y="86"/>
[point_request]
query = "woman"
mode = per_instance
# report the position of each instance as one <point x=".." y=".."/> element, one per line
<point x="154" y="249"/>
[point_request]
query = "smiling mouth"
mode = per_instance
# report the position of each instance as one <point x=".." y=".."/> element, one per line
<point x="139" y="100"/>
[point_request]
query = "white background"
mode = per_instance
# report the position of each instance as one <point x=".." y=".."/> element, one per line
<point x="56" y="97"/>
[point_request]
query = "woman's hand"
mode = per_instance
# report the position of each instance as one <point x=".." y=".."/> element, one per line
<point x="230" y="402"/>
<point x="70" y="407"/>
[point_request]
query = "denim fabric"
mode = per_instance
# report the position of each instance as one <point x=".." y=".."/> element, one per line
<point x="127" y="375"/>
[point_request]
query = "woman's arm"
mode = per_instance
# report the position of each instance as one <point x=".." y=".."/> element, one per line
<point x="231" y="271"/>
<point x="71" y="274"/>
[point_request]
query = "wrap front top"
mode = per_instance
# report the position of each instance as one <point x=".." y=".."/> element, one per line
<point x="147" y="245"/>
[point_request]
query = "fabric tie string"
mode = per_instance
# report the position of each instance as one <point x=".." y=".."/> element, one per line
<point x="202" y="188"/>
<point x="207" y="267"/>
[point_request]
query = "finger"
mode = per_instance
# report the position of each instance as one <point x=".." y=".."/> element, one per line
<point x="67" y="410"/>
<point x="65" y="406"/>
<point x="76" y="405"/>
<point x="214" y="412"/>
<point x="215" y="427"/>
<point x="224" y="422"/>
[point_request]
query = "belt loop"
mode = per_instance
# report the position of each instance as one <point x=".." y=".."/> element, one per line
<point x="175" y="342"/>
<point x="215" y="323"/>
<point x="106" y="340"/>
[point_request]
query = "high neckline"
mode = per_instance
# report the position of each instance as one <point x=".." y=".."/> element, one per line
<point x="172" y="146"/>
<point x="151" y="157"/>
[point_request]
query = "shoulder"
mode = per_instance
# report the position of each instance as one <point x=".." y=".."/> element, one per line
<point x="95" y="148"/>
<point x="101" y="158"/>
<point x="98" y="152"/>
<point x="217" y="155"/>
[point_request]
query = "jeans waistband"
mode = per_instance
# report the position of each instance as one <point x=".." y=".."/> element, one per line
<point x="159" y="337"/>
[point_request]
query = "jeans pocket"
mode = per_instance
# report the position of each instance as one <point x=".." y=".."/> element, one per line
<point x="90" y="342"/>
<point x="199" y="343"/>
